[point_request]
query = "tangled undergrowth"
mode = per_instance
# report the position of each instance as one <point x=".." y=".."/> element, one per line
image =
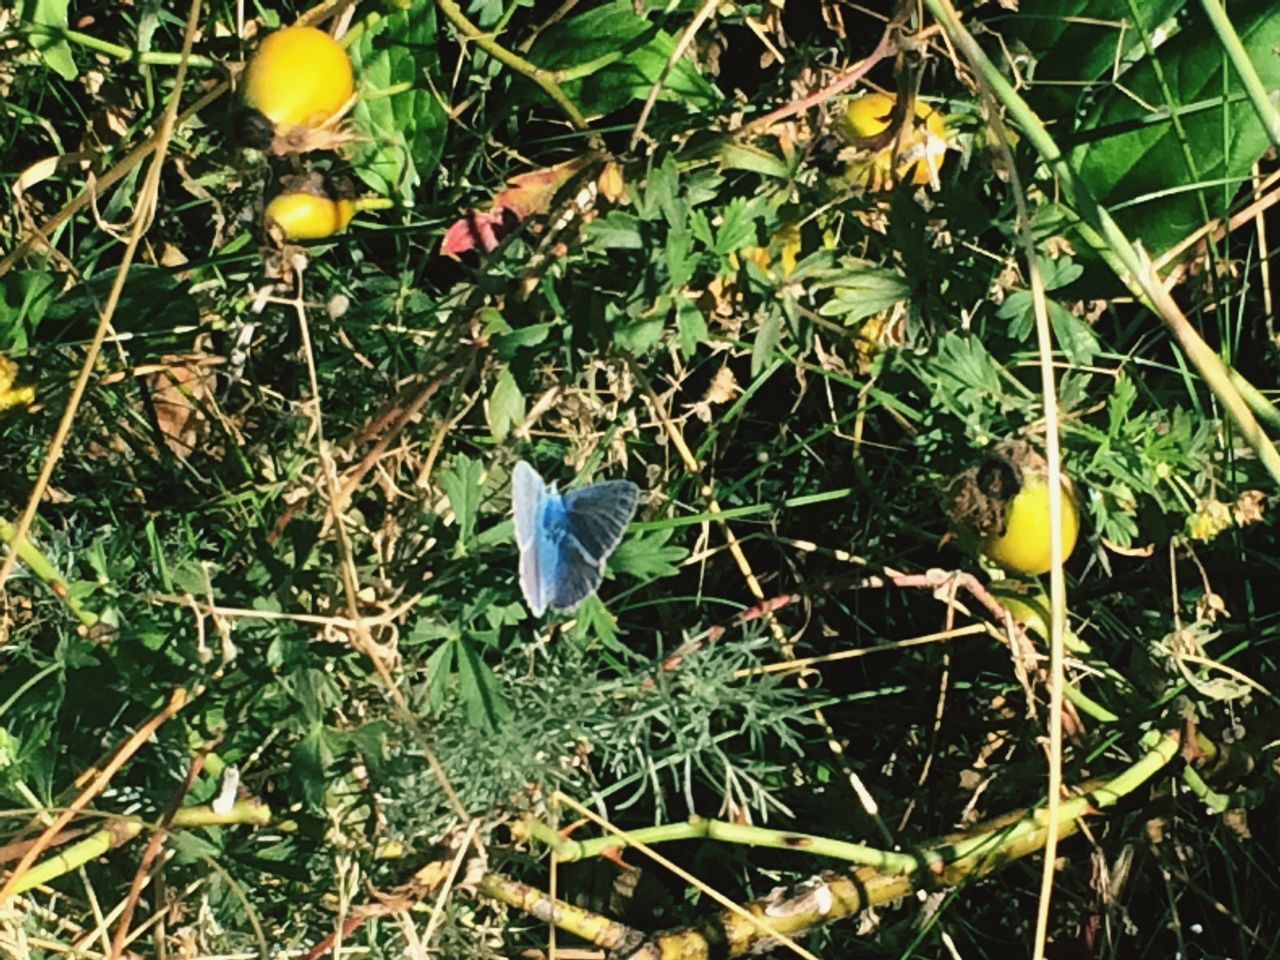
<point x="858" y="302"/>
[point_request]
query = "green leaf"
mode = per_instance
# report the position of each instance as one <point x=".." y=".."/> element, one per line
<point x="766" y="343"/>
<point x="648" y="557"/>
<point x="1075" y="338"/>
<point x="635" y="331"/>
<point x="507" y="344"/>
<point x="439" y="670"/>
<point x="462" y="484"/>
<point x="746" y="156"/>
<point x="1149" y="177"/>
<point x="154" y="301"/>
<point x="592" y="619"/>
<point x="691" y="325"/>
<point x="405" y="131"/>
<point x="1077" y="44"/>
<point x="738" y="228"/>
<point x="624" y="55"/>
<point x="505" y="408"/>
<point x="55" y="51"/>
<point x="617" y="231"/>
<point x="479" y="689"/>
<point x="24" y="300"/>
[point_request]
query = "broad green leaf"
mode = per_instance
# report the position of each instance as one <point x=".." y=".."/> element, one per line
<point x="766" y="343"/>
<point x="635" y="331"/>
<point x="462" y="485"/>
<point x="505" y="408"/>
<point x="405" y="130"/>
<point x="1159" y="187"/>
<point x="1075" y="338"/>
<point x="1076" y="44"/>
<point x="24" y="299"/>
<point x="439" y="670"/>
<point x="617" y="231"/>
<point x="507" y="344"/>
<point x="55" y="51"/>
<point x="154" y="301"/>
<point x="623" y="56"/>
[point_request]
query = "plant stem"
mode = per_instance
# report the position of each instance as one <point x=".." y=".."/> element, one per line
<point x="724" y="831"/>
<point x="117" y="51"/>
<point x="1248" y="74"/>
<point x="1132" y="267"/>
<point x="41" y="566"/>
<point x="516" y="62"/>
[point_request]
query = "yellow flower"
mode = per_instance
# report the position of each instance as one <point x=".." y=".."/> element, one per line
<point x="920" y="147"/>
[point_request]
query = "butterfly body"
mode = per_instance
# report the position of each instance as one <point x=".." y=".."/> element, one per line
<point x="564" y="539"/>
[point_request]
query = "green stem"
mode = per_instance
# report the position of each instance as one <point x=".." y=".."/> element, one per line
<point x="1132" y="267"/>
<point x="1248" y="74"/>
<point x="739" y="833"/>
<point x="115" y="50"/>
<point x="368" y="96"/>
<point x="1263" y="408"/>
<point x="1162" y="751"/>
<point x="41" y="566"/>
<point x="365" y="204"/>
<point x="121" y="830"/>
<point x="516" y="62"/>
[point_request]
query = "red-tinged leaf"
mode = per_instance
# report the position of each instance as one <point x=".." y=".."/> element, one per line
<point x="527" y="195"/>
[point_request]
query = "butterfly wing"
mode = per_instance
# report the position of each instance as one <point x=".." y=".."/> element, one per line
<point x="529" y="502"/>
<point x="595" y="518"/>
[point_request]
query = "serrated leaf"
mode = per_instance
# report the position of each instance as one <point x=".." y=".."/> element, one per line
<point x="692" y="327"/>
<point x="462" y="485"/>
<point x="592" y="619"/>
<point x="1074" y="337"/>
<point x="617" y="231"/>
<point x="738" y="227"/>
<point x="506" y="407"/>
<point x="404" y="131"/>
<point x="862" y="289"/>
<point x="479" y="690"/>
<point x="648" y="557"/>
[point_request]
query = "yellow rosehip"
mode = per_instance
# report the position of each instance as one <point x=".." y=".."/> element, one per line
<point x="299" y="77"/>
<point x="305" y="216"/>
<point x="1024" y="548"/>
<point x="13" y="397"/>
<point x="921" y="148"/>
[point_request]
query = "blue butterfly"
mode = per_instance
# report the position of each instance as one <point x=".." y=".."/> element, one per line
<point x="565" y="540"/>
